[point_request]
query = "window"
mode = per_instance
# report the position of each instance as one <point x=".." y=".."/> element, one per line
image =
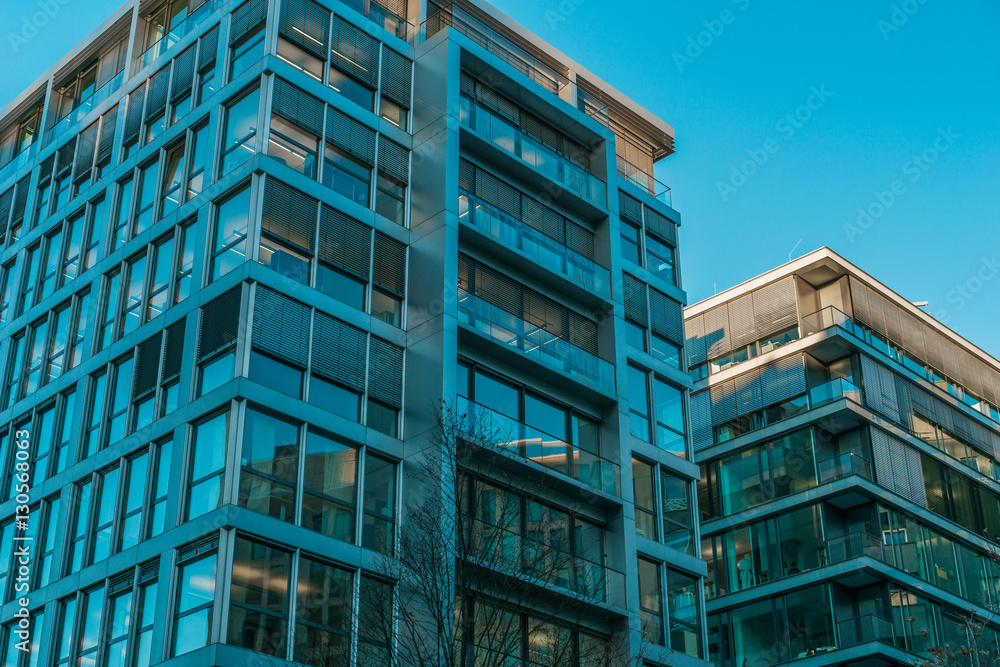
<point x="80" y="497"/>
<point x="159" y="279"/>
<point x="146" y="199"/>
<point x="119" y="235"/>
<point x="78" y="331"/>
<point x="207" y="466"/>
<point x="323" y="623"/>
<point x="300" y="60"/>
<point x="238" y="139"/>
<point x="6" y="291"/>
<point x="378" y="522"/>
<point x="631" y="242"/>
<point x="330" y="487"/>
<point x="157" y="522"/>
<point x="293" y="146"/>
<point x="194" y="600"/>
<point x="232" y="220"/>
<point x="684" y="611"/>
<point x="347" y="175"/>
<point x="50" y="539"/>
<point x="173" y="180"/>
<point x="105" y="504"/>
<point x="394" y="113"/>
<point x="269" y="463"/>
<point x="133" y="492"/>
<point x="390" y="201"/>
<point x="673" y="523"/>
<point x="185" y="266"/>
<point x="260" y="597"/>
<point x="669" y="418"/>
<point x="30" y="276"/>
<point x="134" y="284"/>
<point x="71" y="264"/>
<point x="247" y="51"/>
<point x="200" y="156"/>
<point x="163" y="20"/>
<point x="97" y="220"/>
<point x="50" y="279"/>
<point x="335" y="398"/>
<point x="650" y="603"/>
<point x="275" y="374"/>
<point x="351" y="88"/>
<point x="638" y="391"/>
<point x="644" y="495"/>
<point x="383" y="418"/>
<point x="340" y="286"/>
<point x="660" y="259"/>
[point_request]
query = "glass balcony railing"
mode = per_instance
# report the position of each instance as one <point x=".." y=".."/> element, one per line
<point x="385" y="19"/>
<point x="853" y="545"/>
<point x="826" y="318"/>
<point x="540" y="248"/>
<point x="534" y="342"/>
<point x="511" y="140"/>
<point x="832" y="391"/>
<point x="844" y="465"/>
<point x="18" y="161"/>
<point x="862" y="629"/>
<point x="546" y="450"/>
<point x="85" y="107"/>
<point x="644" y="181"/>
<point x="500" y="548"/>
<point x="175" y="35"/>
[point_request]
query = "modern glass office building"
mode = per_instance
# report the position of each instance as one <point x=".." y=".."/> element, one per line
<point x="849" y="498"/>
<point x="249" y="249"/>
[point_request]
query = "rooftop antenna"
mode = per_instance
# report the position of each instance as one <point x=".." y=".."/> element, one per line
<point x="793" y="250"/>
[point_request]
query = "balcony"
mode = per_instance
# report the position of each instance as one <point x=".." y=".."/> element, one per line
<point x="501" y="549"/>
<point x="645" y="182"/>
<point x="829" y="317"/>
<point x="85" y="106"/>
<point x="834" y="390"/>
<point x="178" y="32"/>
<point x="534" y="245"/>
<point x="18" y="161"/>
<point x="845" y="465"/>
<point x="512" y="141"/>
<point x="545" y="450"/>
<point x="863" y="629"/>
<point x="385" y="19"/>
<point x="853" y="545"/>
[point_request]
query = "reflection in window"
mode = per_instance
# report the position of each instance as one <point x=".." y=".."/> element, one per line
<point x="207" y="467"/>
<point x="240" y="132"/>
<point x="269" y="463"/>
<point x="231" y="223"/>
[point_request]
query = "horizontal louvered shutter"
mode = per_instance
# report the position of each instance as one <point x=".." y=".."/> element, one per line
<point x="466" y="176"/>
<point x="220" y="323"/>
<point x="749" y="395"/>
<point x="701" y="420"/>
<point x="281" y="327"/>
<point x="913" y="339"/>
<point x="246" y="17"/>
<point x="208" y="49"/>
<point x="157" y="95"/>
<point x="133" y="116"/>
<point x="694" y="342"/>
<point x="395" y="7"/>
<point x="289" y="214"/>
<point x="723" y="402"/>
<point x="64" y="158"/>
<point x="85" y="151"/>
<point x="21" y="196"/>
<point x="629" y="208"/>
<point x="394" y="160"/>
<point x="385" y="372"/>
<point x="147" y="365"/>
<point x="666" y="317"/>
<point x="389" y="267"/>
<point x="582" y="331"/>
<point x="6" y="202"/>
<point x="307" y="24"/>
<point x="742" y="329"/>
<point x="345" y="242"/>
<point x="106" y="145"/>
<point x="298" y="107"/>
<point x="339" y="351"/>
<point x="859" y="302"/>
<point x="634" y="295"/>
<point x="184" y="66"/>
<point x="492" y="286"/>
<point x="397" y="77"/>
<point x="662" y="227"/>
<point x="173" y="349"/>
<point x="774" y="307"/>
<point x="354" y="52"/>
<point x="349" y="135"/>
<point x="783" y="379"/>
<point x="580" y="240"/>
<point x="932" y="348"/>
<point x="717" y="332"/>
<point x="503" y="196"/>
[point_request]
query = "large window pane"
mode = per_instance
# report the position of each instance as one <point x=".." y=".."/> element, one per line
<point x="323" y="614"/>
<point x="331" y="471"/>
<point x="258" y="613"/>
<point x="270" y="465"/>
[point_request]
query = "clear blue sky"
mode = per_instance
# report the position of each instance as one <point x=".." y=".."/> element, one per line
<point x="898" y="85"/>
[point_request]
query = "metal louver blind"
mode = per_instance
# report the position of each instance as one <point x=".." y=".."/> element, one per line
<point x="396" y="7"/>
<point x="988" y="377"/>
<point x="782" y="380"/>
<point x="107" y="141"/>
<point x="701" y="421"/>
<point x="394" y="160"/>
<point x="246" y="17"/>
<point x="661" y="227"/>
<point x="385" y="372"/>
<point x="717" y="332"/>
<point x="932" y="348"/>
<point x="694" y="341"/>
<point x="582" y="332"/>
<point x="774" y="307"/>
<point x="629" y="208"/>
<point x="666" y="317"/>
<point x="723" y="402"/>
<point x="354" y="52"/>
<point x="492" y="286"/>
<point x="749" y="393"/>
<point x="893" y="329"/>
<point x="289" y="214"/>
<point x="208" y="49"/>
<point x="913" y="340"/>
<point x="859" y="302"/>
<point x="466" y="176"/>
<point x="742" y="329"/>
<point x="133" y="116"/>
<point x="173" y="349"/>
<point x="307" y="24"/>
<point x="505" y="197"/>
<point x="298" y="107"/>
<point x="220" y="323"/>
<point x="64" y="157"/>
<point x="389" y="267"/>
<point x="184" y="65"/>
<point x="345" y="242"/>
<point x="6" y="200"/>
<point x="157" y="95"/>
<point x="281" y="326"/>
<point x="349" y="135"/>
<point x="338" y="351"/>
<point x="147" y="365"/>
<point x="397" y="77"/>
<point x="21" y="196"/>
<point x="634" y="295"/>
<point x="85" y="151"/>
<point x="580" y="240"/>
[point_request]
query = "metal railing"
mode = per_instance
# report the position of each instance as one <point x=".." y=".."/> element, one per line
<point x="385" y="19"/>
<point x="500" y="548"/>
<point x="19" y="160"/>
<point x="853" y="545"/>
<point x="178" y="32"/>
<point x="867" y="628"/>
<point x="644" y="181"/>
<point x="546" y="450"/>
<point x="544" y="250"/>
<point x="84" y="107"/>
<point x="834" y="390"/>
<point x="844" y="465"/>
<point x="513" y="141"/>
